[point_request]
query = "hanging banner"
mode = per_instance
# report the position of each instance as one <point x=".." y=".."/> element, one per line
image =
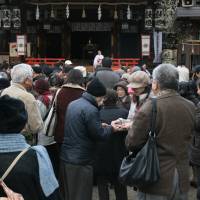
<point x="13" y="49"/>
<point x="157" y="37"/>
<point x="21" y="45"/>
<point x="146" y="43"/>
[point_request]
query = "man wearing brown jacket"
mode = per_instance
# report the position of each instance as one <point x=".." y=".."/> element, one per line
<point x="174" y="127"/>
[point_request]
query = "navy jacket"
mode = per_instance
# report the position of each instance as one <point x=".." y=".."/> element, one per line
<point x="82" y="130"/>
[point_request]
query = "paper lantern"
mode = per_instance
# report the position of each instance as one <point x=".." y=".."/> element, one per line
<point x="16" y="18"/>
<point x="148" y="21"/>
<point x="6" y="18"/>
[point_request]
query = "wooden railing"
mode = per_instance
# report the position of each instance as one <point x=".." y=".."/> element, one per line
<point x="48" y="61"/>
<point x="117" y="63"/>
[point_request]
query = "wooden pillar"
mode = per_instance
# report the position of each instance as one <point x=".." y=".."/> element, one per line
<point x="115" y="40"/>
<point x="41" y="44"/>
<point x="66" y="44"/>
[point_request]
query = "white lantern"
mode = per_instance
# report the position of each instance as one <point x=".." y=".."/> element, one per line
<point x="115" y="14"/>
<point x="16" y="18"/>
<point x="67" y="11"/>
<point x="37" y="15"/>
<point x="129" y="13"/>
<point x="148" y="21"/>
<point x="52" y="13"/>
<point x="83" y="13"/>
<point x="99" y="12"/>
<point x="159" y="19"/>
<point x="6" y="18"/>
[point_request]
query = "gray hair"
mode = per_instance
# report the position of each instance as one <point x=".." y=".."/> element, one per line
<point x="21" y="72"/>
<point x="167" y="76"/>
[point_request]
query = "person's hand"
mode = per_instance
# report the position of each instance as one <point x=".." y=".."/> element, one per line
<point x="127" y="125"/>
<point x="121" y="124"/>
<point x="10" y="194"/>
<point x="116" y="126"/>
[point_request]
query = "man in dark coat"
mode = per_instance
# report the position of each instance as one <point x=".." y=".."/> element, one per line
<point x="174" y="127"/>
<point x="105" y="74"/>
<point x="82" y="130"/>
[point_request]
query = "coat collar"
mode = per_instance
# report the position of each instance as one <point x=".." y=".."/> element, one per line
<point x="90" y="98"/>
<point x="18" y="86"/>
<point x="75" y="86"/>
<point x="167" y="93"/>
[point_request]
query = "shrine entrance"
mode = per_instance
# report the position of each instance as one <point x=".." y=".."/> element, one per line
<point x="53" y="45"/>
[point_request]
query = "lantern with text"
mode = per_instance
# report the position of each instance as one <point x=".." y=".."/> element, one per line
<point x="6" y="18"/>
<point x="159" y="19"/>
<point x="148" y="19"/>
<point x="16" y="18"/>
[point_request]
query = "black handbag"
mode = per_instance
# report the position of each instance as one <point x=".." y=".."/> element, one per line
<point x="143" y="168"/>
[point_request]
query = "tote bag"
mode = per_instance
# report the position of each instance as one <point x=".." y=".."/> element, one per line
<point x="143" y="168"/>
<point x="51" y="118"/>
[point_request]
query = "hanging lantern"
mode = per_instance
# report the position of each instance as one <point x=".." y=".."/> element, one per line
<point x="83" y="13"/>
<point x="52" y="13"/>
<point x="115" y="14"/>
<point x="37" y="15"/>
<point x="192" y="49"/>
<point x="99" y="12"/>
<point x="148" y="21"/>
<point x="6" y="18"/>
<point x="128" y="13"/>
<point x="67" y="11"/>
<point x="16" y="18"/>
<point x="159" y="19"/>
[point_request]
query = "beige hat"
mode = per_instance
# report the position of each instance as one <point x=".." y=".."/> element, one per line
<point x="138" y="79"/>
<point x="68" y="62"/>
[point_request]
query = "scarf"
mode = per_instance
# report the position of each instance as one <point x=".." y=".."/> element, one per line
<point x="45" y="98"/>
<point x="17" y="142"/>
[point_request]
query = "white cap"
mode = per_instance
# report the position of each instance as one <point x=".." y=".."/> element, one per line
<point x="82" y="69"/>
<point x="68" y="62"/>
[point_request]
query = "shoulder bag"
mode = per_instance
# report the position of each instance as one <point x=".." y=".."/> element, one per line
<point x="143" y="168"/>
<point x="11" y="194"/>
<point x="51" y="118"/>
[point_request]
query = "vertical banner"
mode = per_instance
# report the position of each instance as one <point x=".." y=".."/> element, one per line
<point x="21" y="45"/>
<point x="13" y="49"/>
<point x="157" y="36"/>
<point x="146" y="41"/>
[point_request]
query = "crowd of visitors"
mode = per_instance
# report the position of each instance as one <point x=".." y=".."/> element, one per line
<point x="100" y="118"/>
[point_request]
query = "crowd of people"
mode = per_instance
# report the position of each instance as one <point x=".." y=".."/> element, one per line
<point x="101" y="117"/>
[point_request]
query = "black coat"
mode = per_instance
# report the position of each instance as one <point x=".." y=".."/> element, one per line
<point x="24" y="177"/>
<point x="82" y="130"/>
<point x="110" y="153"/>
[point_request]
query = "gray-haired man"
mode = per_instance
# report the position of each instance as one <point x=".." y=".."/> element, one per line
<point x="174" y="127"/>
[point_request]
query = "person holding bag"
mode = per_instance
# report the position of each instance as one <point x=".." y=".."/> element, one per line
<point x="171" y="134"/>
